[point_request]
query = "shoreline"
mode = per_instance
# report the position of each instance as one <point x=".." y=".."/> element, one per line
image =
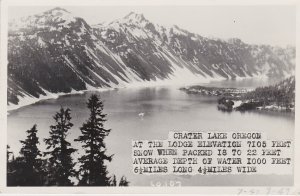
<point x="28" y="100"/>
<point x="174" y="81"/>
<point x="237" y="99"/>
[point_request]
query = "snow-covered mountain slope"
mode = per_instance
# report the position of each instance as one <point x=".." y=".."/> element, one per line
<point x="55" y="52"/>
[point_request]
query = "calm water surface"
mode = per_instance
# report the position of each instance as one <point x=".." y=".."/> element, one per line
<point x="165" y="109"/>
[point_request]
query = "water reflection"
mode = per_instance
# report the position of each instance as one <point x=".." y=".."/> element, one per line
<point x="165" y="109"/>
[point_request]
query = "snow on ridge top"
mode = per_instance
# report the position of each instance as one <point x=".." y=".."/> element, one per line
<point x="130" y="19"/>
<point x="57" y="10"/>
<point x="175" y="29"/>
<point x="135" y="17"/>
<point x="100" y="25"/>
<point x="57" y="16"/>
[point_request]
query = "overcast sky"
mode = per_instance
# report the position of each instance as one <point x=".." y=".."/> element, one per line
<point x="274" y="25"/>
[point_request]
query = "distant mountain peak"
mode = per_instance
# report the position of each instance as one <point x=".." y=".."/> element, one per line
<point x="135" y="16"/>
<point x="57" y="15"/>
<point x="62" y="52"/>
<point x="130" y="19"/>
<point x="57" y="9"/>
<point x="57" y="12"/>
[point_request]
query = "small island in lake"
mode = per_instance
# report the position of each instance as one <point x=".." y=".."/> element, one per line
<point x="278" y="97"/>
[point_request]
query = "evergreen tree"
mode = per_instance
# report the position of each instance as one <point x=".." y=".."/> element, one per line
<point x="8" y="153"/>
<point x="92" y="169"/>
<point x="26" y="169"/>
<point x="30" y="150"/>
<point x="61" y="166"/>
<point x="113" y="181"/>
<point x="123" y="181"/>
<point x="9" y="168"/>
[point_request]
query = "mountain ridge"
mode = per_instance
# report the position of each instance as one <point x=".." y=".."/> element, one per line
<point x="58" y="53"/>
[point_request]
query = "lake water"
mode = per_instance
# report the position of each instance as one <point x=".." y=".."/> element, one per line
<point x="165" y="109"/>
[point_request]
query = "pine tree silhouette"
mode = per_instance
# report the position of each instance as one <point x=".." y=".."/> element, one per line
<point x="9" y="167"/>
<point x="61" y="166"/>
<point x="30" y="150"/>
<point x="123" y="181"/>
<point x="26" y="170"/>
<point x="113" y="181"/>
<point x="93" y="169"/>
<point x="8" y="153"/>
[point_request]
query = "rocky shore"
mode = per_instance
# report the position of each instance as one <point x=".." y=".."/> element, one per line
<point x="278" y="97"/>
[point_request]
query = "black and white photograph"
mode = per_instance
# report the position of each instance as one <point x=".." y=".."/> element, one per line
<point x="149" y="95"/>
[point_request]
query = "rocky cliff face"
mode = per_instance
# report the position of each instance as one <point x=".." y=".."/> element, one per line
<point x="57" y="52"/>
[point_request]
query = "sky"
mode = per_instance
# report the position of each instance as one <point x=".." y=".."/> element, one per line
<point x="274" y="25"/>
